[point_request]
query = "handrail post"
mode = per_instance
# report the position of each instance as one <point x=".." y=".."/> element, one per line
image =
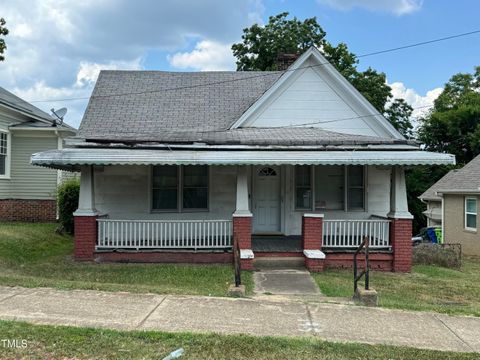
<point x="236" y="260"/>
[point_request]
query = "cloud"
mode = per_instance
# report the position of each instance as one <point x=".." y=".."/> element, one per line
<point x="56" y="47"/>
<point x="421" y="104"/>
<point x="88" y="71"/>
<point x="206" y="56"/>
<point x="397" y="7"/>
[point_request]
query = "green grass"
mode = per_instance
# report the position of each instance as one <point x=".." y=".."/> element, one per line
<point x="61" y="342"/>
<point x="427" y="288"/>
<point x="33" y="255"/>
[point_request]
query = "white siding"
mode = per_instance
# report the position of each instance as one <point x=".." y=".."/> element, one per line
<point x="310" y="97"/>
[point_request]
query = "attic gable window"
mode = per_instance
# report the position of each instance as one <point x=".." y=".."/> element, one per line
<point x="179" y="188"/>
<point x="3" y="153"/>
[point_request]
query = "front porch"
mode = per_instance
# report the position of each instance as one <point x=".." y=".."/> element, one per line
<point x="283" y="218"/>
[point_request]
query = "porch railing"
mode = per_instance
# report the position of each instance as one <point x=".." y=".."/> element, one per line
<point x="164" y="234"/>
<point x="350" y="233"/>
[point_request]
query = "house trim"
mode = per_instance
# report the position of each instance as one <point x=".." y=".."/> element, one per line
<point x="465" y="213"/>
<point x="8" y="158"/>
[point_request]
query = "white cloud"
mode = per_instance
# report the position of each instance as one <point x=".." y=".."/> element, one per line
<point x="56" y="47"/>
<point x="397" y="7"/>
<point x="207" y="56"/>
<point x="421" y="104"/>
<point x="88" y="71"/>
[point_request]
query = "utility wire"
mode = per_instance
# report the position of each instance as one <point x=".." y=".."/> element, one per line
<point x="259" y="75"/>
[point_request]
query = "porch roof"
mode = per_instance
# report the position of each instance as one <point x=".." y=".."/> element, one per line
<point x="68" y="159"/>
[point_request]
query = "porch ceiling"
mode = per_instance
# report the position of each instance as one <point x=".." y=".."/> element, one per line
<point x="75" y="157"/>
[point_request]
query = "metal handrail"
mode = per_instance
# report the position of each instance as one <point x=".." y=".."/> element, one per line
<point x="236" y="261"/>
<point x="366" y="271"/>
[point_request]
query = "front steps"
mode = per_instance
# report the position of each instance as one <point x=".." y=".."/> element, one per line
<point x="279" y="262"/>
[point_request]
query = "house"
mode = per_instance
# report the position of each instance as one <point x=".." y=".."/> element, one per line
<point x="453" y="202"/>
<point x="27" y="193"/>
<point x="292" y="163"/>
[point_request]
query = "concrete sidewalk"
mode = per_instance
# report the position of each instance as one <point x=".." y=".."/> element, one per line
<point x="275" y="316"/>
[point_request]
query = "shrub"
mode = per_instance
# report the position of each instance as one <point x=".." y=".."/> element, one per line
<point x="434" y="254"/>
<point x="67" y="197"/>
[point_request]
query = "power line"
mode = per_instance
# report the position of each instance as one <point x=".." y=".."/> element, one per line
<point x="260" y="75"/>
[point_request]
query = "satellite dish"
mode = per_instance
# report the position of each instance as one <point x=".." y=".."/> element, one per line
<point x="58" y="114"/>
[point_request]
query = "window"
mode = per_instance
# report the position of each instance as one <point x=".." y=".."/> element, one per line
<point x="3" y="153"/>
<point x="329" y="187"/>
<point x="471" y="213"/>
<point x="303" y="188"/>
<point x="355" y="188"/>
<point x="176" y="188"/>
<point x="334" y="188"/>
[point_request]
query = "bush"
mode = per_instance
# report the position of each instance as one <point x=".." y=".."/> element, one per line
<point x="67" y="198"/>
<point x="434" y="254"/>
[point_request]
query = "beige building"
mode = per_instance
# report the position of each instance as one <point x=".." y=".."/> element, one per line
<point x="453" y="203"/>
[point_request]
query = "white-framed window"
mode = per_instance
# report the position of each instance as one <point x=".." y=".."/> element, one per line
<point x="330" y="187"/>
<point x="180" y="188"/>
<point x="471" y="213"/>
<point x="4" y="154"/>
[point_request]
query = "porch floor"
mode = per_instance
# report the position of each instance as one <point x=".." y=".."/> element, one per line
<point x="276" y="243"/>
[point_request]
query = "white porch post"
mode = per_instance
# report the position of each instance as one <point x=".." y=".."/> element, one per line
<point x="398" y="195"/>
<point x="242" y="204"/>
<point x="401" y="223"/>
<point x="86" y="201"/>
<point x="242" y="220"/>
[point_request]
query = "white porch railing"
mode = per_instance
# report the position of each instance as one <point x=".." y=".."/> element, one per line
<point x="164" y="234"/>
<point x="350" y="233"/>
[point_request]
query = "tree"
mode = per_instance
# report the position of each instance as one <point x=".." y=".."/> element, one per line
<point x="399" y="114"/>
<point x="261" y="46"/>
<point x="3" y="32"/>
<point x="453" y="125"/>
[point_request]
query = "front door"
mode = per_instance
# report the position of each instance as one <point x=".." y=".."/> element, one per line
<point x="266" y="200"/>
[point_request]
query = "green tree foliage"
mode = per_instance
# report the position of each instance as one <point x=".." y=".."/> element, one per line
<point x="399" y="113"/>
<point x="261" y="46"/>
<point x="453" y="125"/>
<point x="67" y="197"/>
<point x="3" y="32"/>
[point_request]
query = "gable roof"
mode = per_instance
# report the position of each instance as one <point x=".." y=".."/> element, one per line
<point x="139" y="103"/>
<point x="464" y="180"/>
<point x="14" y="102"/>
<point x="313" y="59"/>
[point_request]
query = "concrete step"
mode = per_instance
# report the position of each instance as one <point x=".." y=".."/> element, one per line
<point x="279" y="262"/>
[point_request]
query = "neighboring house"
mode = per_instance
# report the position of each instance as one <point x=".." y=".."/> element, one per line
<point x="27" y="192"/>
<point x="455" y="202"/>
<point x="293" y="163"/>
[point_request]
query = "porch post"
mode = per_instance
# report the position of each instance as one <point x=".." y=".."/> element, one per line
<point x="242" y="220"/>
<point x="401" y="222"/>
<point x="85" y="217"/>
<point x="312" y="240"/>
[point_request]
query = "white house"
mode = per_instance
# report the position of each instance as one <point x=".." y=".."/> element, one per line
<point x="175" y="165"/>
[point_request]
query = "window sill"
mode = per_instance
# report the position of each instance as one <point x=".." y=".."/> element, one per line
<point x="5" y="177"/>
<point x="470" y="230"/>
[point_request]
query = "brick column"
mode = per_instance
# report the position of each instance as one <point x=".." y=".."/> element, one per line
<point x="401" y="239"/>
<point x="312" y="241"/>
<point x="85" y="237"/>
<point x="242" y="231"/>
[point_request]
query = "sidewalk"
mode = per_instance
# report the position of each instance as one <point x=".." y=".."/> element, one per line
<point x="265" y="316"/>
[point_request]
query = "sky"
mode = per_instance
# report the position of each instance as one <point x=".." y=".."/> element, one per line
<point x="56" y="48"/>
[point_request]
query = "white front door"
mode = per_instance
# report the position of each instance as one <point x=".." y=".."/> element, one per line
<point x="266" y="199"/>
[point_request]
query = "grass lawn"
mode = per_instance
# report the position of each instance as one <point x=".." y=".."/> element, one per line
<point x="60" y="342"/>
<point x="33" y="255"/>
<point x="429" y="288"/>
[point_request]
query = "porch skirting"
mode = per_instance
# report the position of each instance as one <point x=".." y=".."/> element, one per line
<point x="204" y="257"/>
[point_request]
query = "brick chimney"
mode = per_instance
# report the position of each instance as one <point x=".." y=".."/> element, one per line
<point x="285" y="60"/>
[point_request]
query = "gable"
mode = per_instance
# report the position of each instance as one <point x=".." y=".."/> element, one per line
<point x="313" y="94"/>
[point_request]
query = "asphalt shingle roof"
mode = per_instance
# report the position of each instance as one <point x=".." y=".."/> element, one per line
<point x="465" y="179"/>
<point x="176" y="107"/>
<point x="13" y="101"/>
